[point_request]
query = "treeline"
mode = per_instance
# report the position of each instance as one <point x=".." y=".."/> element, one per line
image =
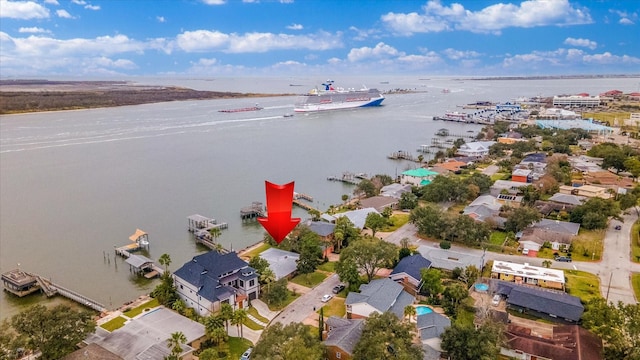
<point x="12" y="102"/>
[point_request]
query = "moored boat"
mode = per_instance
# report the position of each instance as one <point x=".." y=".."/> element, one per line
<point x="336" y="98"/>
<point x="251" y="108"/>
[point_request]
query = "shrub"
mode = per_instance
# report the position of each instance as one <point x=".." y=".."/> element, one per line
<point x="445" y="244"/>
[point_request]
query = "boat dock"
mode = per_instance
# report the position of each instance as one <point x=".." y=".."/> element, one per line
<point x="22" y="283"/>
<point x="402" y="155"/>
<point x="253" y="211"/>
<point x="348" y="178"/>
<point x="140" y="239"/>
<point x="201" y="226"/>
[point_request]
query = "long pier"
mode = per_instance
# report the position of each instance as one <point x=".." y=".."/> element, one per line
<point x="348" y="178"/>
<point x="22" y="283"/>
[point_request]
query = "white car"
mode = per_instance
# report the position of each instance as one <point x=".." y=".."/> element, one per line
<point x="496" y="300"/>
<point x="326" y="298"/>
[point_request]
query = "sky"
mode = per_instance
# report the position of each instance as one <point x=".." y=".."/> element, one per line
<point x="214" y="38"/>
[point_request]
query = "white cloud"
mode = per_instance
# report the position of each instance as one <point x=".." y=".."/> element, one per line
<point x="460" y="54"/>
<point x="581" y="42"/>
<point x="626" y="21"/>
<point x="79" y="2"/>
<point x="109" y="63"/>
<point x="608" y="58"/>
<point x="214" y="2"/>
<point x="92" y="7"/>
<point x="64" y="14"/>
<point x="566" y="58"/>
<point x="381" y="50"/>
<point x="295" y="27"/>
<point x="626" y="18"/>
<point x="161" y="19"/>
<point x="33" y="30"/>
<point x="51" y="2"/>
<point x="205" y="40"/>
<point x="22" y="10"/>
<point x="491" y="19"/>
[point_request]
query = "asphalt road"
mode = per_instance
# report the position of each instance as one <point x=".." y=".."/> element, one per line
<point x="303" y="306"/>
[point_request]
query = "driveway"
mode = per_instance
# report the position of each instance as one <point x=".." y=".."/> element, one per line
<point x="303" y="306"/>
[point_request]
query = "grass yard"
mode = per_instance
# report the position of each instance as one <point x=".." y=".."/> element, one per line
<point x="256" y="251"/>
<point x="582" y="284"/>
<point x="587" y="246"/>
<point x="277" y="307"/>
<point x="335" y="307"/>
<point x="329" y="266"/>
<point x="138" y="310"/>
<point x="635" y="282"/>
<point x="256" y="315"/>
<point x="252" y="324"/>
<point x="309" y="280"/>
<point x="234" y="348"/>
<point x="497" y="238"/>
<point x="635" y="243"/>
<point x="114" y="324"/>
<point x="396" y="220"/>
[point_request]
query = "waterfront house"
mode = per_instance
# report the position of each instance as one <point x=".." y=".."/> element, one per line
<point x="380" y="295"/>
<point x="395" y="190"/>
<point x="475" y="148"/>
<point x="213" y="278"/>
<point x="380" y="203"/>
<point x="325" y="231"/>
<point x="556" y="306"/>
<point x="418" y="177"/>
<point x="408" y="272"/>
<point x="528" y="274"/>
<point x="568" y="342"/>
<point x="357" y="217"/>
<point x="282" y="263"/>
<point x="341" y="336"/>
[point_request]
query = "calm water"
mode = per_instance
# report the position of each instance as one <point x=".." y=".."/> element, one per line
<point x="75" y="184"/>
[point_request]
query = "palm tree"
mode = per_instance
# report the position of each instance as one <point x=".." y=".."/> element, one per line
<point x="267" y="276"/>
<point x="546" y="263"/>
<point x="219" y="336"/>
<point x="213" y="322"/>
<point x="215" y="233"/>
<point x="226" y="313"/>
<point x="174" y="343"/>
<point x="179" y="306"/>
<point x="239" y="316"/>
<point x="409" y="311"/>
<point x="165" y="260"/>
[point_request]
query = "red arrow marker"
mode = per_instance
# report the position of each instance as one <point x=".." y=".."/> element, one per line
<point x="278" y="222"/>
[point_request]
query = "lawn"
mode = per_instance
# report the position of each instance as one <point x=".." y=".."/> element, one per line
<point x="309" y="280"/>
<point x="329" y="266"/>
<point x="114" y="324"/>
<point x="256" y="315"/>
<point x="497" y="238"/>
<point x="335" y="307"/>
<point x="138" y="310"/>
<point x="290" y="297"/>
<point x="635" y="243"/>
<point x="635" y="282"/>
<point x="396" y="220"/>
<point x="587" y="246"/>
<point x="582" y="284"/>
<point x="252" y="324"/>
<point x="234" y="348"/>
<point x="256" y="251"/>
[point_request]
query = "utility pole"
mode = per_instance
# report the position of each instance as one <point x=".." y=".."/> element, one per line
<point x="608" y="288"/>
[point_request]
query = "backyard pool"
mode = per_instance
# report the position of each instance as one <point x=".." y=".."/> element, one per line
<point x="481" y="287"/>
<point x="421" y="310"/>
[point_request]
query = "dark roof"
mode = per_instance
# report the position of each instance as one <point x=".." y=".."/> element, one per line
<point x="344" y="333"/>
<point x="550" y="302"/>
<point x="537" y="157"/>
<point x="411" y="265"/>
<point x="92" y="352"/>
<point x="569" y="342"/>
<point x="322" y="228"/>
<point x="432" y="325"/>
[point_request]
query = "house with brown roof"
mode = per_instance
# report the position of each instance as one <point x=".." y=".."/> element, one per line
<point x="569" y="342"/>
<point x="589" y="191"/>
<point x="341" y="336"/>
<point x="379" y="203"/>
<point x="608" y="180"/>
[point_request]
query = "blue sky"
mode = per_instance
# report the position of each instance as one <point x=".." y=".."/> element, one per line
<point x="213" y="38"/>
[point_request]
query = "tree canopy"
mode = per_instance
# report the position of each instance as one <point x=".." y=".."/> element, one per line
<point x="369" y="254"/>
<point x="291" y="342"/>
<point x="385" y="337"/>
<point x="617" y="325"/>
<point x="467" y="343"/>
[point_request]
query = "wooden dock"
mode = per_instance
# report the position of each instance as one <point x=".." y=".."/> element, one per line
<point x="254" y="211"/>
<point x="402" y="155"/>
<point x="22" y="283"/>
<point x="140" y="239"/>
<point x="347" y="177"/>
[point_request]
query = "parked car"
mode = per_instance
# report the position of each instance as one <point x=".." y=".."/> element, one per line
<point x="326" y="298"/>
<point x="618" y="227"/>
<point x="247" y="354"/>
<point x="563" y="258"/>
<point x="496" y="300"/>
<point x="338" y="288"/>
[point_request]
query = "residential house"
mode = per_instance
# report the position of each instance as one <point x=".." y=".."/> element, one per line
<point x="325" y="231"/>
<point x="508" y="186"/>
<point x="450" y="259"/>
<point x="585" y="164"/>
<point x="589" y="191"/>
<point x="486" y="208"/>
<point x="475" y="148"/>
<point x="564" y="227"/>
<point x="450" y="165"/>
<point x="213" y="278"/>
<point x="532" y="240"/>
<point x="380" y="203"/>
<point x="380" y="295"/>
<point x="556" y="306"/>
<point x="431" y="326"/>
<point x="145" y="336"/>
<point x="521" y="175"/>
<point x="357" y="217"/>
<point x="341" y="336"/>
<point x="608" y="180"/>
<point x="408" y="272"/>
<point x="92" y="352"/>
<point x="418" y="177"/>
<point x="569" y="342"/>
<point x="282" y="263"/>
<point x="528" y="274"/>
<point x="567" y="199"/>
<point x="395" y="190"/>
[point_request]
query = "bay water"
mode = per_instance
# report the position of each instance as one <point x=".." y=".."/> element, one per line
<point x="76" y="184"/>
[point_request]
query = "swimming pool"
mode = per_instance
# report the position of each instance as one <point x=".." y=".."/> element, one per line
<point x="481" y="287"/>
<point x="421" y="310"/>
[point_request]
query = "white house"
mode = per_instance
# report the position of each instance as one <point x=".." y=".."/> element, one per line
<point x="475" y="148"/>
<point x="378" y="296"/>
<point x="418" y="177"/>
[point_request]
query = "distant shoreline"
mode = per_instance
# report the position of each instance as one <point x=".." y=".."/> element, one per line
<point x="29" y="96"/>
<point x="553" y="77"/>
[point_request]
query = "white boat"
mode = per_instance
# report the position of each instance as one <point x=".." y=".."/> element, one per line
<point x="336" y="98"/>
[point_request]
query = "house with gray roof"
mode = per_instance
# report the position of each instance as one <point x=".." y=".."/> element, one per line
<point x="395" y="190"/>
<point x="380" y="295"/>
<point x="380" y="203"/>
<point x="449" y="259"/>
<point x="408" y="272"/>
<point x="475" y="148"/>
<point x="357" y="217"/>
<point x="213" y="278"/>
<point x="552" y="305"/>
<point x="567" y="199"/>
<point x="325" y="231"/>
<point x="564" y="227"/>
<point x="282" y="263"/>
<point x="342" y="335"/>
<point x="431" y="326"/>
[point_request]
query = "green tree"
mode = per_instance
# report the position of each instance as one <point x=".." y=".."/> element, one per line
<point x="226" y="313"/>
<point x="208" y="354"/>
<point x="215" y="233"/>
<point x="55" y="331"/>
<point x="165" y="292"/>
<point x="428" y="220"/>
<point x="455" y="292"/>
<point x="277" y="293"/>
<point x="370" y="254"/>
<point x="213" y="322"/>
<point x="595" y="213"/>
<point x="375" y="222"/>
<point x="310" y="255"/>
<point x="348" y="273"/>
<point x="179" y="305"/>
<point x="259" y="264"/>
<point x="344" y="232"/>
<point x="617" y="325"/>
<point x="408" y="200"/>
<point x="385" y="337"/>
<point x="175" y="343"/>
<point x="632" y="165"/>
<point x="409" y="312"/>
<point x="467" y="343"/>
<point x="431" y="281"/>
<point x="267" y="276"/>
<point x="469" y="275"/>
<point x="239" y="316"/>
<point x="291" y="342"/>
<point x="165" y="260"/>
<point x="366" y="187"/>
<point x="520" y="218"/>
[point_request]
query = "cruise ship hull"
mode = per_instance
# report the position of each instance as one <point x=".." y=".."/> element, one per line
<point x="338" y="101"/>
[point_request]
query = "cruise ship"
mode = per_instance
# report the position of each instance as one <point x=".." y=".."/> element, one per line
<point x="336" y="98"/>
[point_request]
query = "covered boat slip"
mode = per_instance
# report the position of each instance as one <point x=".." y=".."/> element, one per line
<point x="142" y="265"/>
